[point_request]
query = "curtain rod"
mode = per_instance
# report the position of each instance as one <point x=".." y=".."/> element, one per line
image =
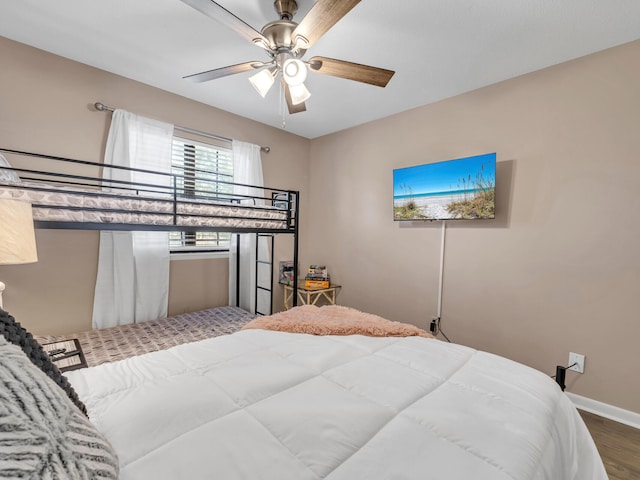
<point x="103" y="108"/>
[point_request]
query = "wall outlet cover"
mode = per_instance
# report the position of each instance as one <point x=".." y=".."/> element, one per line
<point x="578" y="359"/>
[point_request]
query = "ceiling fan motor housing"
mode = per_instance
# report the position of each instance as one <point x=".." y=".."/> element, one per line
<point x="278" y="34"/>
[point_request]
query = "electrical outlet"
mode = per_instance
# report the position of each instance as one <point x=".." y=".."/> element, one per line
<point x="578" y="359"/>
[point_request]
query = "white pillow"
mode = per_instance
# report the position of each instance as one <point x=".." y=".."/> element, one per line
<point x="7" y="175"/>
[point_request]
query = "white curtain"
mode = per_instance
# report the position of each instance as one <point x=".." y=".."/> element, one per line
<point x="133" y="267"/>
<point x="247" y="169"/>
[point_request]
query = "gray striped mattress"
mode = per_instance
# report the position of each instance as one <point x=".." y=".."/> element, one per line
<point x="116" y="343"/>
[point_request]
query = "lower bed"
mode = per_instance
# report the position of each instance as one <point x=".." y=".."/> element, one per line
<point x="116" y="343"/>
<point x="265" y="404"/>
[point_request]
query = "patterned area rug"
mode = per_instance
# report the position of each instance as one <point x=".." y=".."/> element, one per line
<point x="116" y="343"/>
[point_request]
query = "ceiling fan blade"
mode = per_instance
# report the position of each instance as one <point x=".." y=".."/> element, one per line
<point x="218" y="12"/>
<point x="351" y="71"/>
<point x="223" y="72"/>
<point x="300" y="107"/>
<point x="322" y="16"/>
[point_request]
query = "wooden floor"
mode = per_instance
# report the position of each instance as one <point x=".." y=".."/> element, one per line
<point x="618" y="444"/>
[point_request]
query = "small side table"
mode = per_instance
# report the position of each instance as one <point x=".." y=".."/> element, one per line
<point x="310" y="296"/>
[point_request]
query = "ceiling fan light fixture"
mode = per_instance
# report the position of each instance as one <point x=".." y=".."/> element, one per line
<point x="299" y="94"/>
<point x="294" y="71"/>
<point x="263" y="81"/>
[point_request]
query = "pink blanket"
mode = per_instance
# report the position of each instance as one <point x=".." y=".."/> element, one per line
<point x="334" y="320"/>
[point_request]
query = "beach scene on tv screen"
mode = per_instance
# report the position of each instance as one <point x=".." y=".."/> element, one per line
<point x="464" y="188"/>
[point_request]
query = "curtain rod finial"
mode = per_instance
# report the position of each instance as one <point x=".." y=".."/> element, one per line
<point x="265" y="149"/>
<point x="102" y="107"/>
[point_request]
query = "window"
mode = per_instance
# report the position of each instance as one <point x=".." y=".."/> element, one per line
<point x="201" y="166"/>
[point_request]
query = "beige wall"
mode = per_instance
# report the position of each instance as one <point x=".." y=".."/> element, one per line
<point x="45" y="107"/>
<point x="557" y="271"/>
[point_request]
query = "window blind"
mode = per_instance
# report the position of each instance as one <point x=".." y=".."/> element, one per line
<point x="204" y="170"/>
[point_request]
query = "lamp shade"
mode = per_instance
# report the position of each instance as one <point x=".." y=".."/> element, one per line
<point x="17" y="236"/>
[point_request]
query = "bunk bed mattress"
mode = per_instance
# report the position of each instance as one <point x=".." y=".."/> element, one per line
<point x="269" y="405"/>
<point x="116" y="343"/>
<point x="69" y="204"/>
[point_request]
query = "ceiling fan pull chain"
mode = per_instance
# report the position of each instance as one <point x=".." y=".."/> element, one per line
<point x="281" y="103"/>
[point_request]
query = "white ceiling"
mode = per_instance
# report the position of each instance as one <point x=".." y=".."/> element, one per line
<point x="438" y="48"/>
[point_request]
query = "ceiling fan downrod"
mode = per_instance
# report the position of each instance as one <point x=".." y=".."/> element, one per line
<point x="286" y="8"/>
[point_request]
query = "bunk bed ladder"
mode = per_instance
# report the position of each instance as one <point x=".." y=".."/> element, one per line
<point x="264" y="263"/>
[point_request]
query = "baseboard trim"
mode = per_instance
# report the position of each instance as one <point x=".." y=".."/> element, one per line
<point x="605" y="410"/>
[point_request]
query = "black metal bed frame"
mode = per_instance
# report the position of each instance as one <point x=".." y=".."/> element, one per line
<point x="169" y="192"/>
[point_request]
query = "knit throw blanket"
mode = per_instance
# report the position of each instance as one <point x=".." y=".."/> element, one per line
<point x="334" y="320"/>
<point x="15" y="333"/>
<point x="42" y="434"/>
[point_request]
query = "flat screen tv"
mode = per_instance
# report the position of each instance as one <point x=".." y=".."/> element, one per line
<point x="461" y="189"/>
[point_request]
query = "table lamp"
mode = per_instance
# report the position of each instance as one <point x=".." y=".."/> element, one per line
<point x="17" y="236"/>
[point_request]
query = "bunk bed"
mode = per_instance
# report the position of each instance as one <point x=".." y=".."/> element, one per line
<point x="74" y="194"/>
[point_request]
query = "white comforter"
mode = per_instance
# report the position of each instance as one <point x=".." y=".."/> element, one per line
<point x="279" y="406"/>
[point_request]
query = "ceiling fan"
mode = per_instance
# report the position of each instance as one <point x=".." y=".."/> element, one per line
<point x="286" y="42"/>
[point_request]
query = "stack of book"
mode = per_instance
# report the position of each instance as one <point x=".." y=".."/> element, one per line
<point x="317" y="277"/>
